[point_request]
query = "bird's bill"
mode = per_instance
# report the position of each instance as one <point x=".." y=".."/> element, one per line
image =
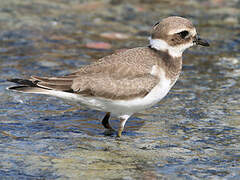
<point x="200" y="41"/>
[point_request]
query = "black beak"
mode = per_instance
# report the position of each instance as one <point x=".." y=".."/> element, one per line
<point x="199" y="41"/>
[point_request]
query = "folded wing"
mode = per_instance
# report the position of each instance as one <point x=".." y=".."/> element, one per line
<point x="108" y="87"/>
<point x="118" y="76"/>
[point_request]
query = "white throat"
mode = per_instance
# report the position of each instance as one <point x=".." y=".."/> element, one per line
<point x="174" y="51"/>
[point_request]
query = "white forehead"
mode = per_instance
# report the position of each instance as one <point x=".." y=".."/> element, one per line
<point x="192" y="31"/>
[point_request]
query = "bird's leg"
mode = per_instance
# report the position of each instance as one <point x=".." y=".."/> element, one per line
<point x="105" y="121"/>
<point x="123" y="121"/>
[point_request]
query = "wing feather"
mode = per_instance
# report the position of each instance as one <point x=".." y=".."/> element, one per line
<point x="108" y="87"/>
<point x="119" y="76"/>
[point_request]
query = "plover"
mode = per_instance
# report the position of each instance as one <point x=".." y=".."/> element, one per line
<point x="126" y="82"/>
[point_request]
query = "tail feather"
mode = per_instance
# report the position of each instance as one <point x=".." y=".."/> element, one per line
<point x="27" y="86"/>
<point x="25" y="82"/>
<point x="54" y="80"/>
<point x="40" y="85"/>
<point x="28" y="89"/>
<point x="61" y="87"/>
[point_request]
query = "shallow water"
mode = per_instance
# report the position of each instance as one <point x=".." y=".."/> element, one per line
<point x="194" y="133"/>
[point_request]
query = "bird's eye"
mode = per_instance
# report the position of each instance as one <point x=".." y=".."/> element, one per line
<point x="156" y="23"/>
<point x="183" y="34"/>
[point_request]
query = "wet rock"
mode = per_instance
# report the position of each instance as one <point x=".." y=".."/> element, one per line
<point x="46" y="63"/>
<point x="120" y="50"/>
<point x="114" y="35"/>
<point x="98" y="45"/>
<point x="231" y="20"/>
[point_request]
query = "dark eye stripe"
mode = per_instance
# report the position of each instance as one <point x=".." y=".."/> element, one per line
<point x="156" y="23"/>
<point x="183" y="34"/>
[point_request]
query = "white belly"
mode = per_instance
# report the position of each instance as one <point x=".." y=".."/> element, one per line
<point x="120" y="107"/>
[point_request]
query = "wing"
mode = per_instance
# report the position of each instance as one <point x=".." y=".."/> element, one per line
<point x="119" y="76"/>
<point x="108" y="87"/>
<point x="91" y="85"/>
<point x="126" y="64"/>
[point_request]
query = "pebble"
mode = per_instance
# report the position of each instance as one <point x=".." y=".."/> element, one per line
<point x="231" y="20"/>
<point x="98" y="45"/>
<point x="114" y="35"/>
<point x="120" y="50"/>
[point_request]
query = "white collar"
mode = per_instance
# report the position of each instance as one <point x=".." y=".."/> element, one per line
<point x="174" y="51"/>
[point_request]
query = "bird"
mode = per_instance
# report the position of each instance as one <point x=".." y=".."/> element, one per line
<point x="125" y="82"/>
